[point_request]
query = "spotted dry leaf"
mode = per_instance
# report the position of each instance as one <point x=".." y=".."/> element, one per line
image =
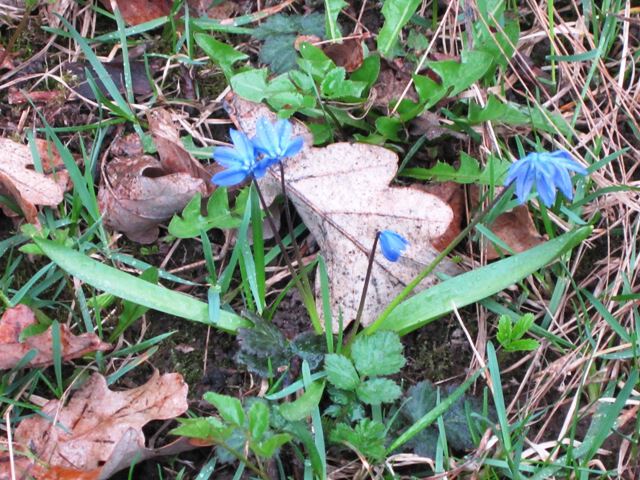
<point x="98" y="432"/>
<point x="343" y="194"/>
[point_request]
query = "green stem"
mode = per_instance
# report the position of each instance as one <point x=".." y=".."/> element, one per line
<point x="307" y="294"/>
<point x="429" y="269"/>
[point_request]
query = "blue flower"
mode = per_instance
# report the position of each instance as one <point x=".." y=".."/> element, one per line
<point x="274" y="140"/>
<point x="548" y="171"/>
<point x="392" y="245"/>
<point x="239" y="161"/>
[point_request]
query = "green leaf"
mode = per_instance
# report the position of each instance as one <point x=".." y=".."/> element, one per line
<point x="282" y="93"/>
<point x="396" y="15"/>
<point x="310" y="347"/>
<point x="334" y="85"/>
<point x="209" y="428"/>
<point x="340" y="372"/>
<point x="279" y="33"/>
<point x="504" y="330"/>
<point x="303" y="406"/>
<point x="468" y="172"/>
<point x="314" y="61"/>
<point x="430" y="304"/>
<point x="378" y="390"/>
<point x="268" y="447"/>
<point x="263" y="348"/>
<point x="251" y="84"/>
<point x="230" y="408"/>
<point x="367" y="72"/>
<point x="367" y="438"/>
<point x="458" y="76"/>
<point x="136" y="290"/>
<point x="524" y="345"/>
<point x="331" y="11"/>
<point x="432" y="415"/>
<point x="389" y="128"/>
<point x="522" y="326"/>
<point x="192" y="222"/>
<point x="221" y="53"/>
<point x="378" y="354"/>
<point x="258" y="420"/>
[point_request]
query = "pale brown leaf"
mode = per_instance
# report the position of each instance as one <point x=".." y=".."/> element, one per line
<point x="19" y="180"/>
<point x="138" y="194"/>
<point x="99" y="431"/>
<point x="516" y="229"/>
<point x="16" y="319"/>
<point x="343" y="195"/>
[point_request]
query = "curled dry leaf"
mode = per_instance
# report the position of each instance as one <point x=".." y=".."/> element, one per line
<point x="343" y="195"/>
<point x="347" y="54"/>
<point x="16" y="319"/>
<point x="99" y="431"/>
<point x="135" y="12"/>
<point x="139" y="193"/>
<point x="29" y="188"/>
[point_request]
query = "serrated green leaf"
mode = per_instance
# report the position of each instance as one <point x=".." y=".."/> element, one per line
<point x="396" y="15"/>
<point x="268" y="447"/>
<point x="250" y="84"/>
<point x="192" y="222"/>
<point x="279" y="33"/>
<point x="378" y="390"/>
<point x="469" y="171"/>
<point x="258" y="420"/>
<point x="310" y="347"/>
<point x="367" y="438"/>
<point x="332" y="9"/>
<point x="208" y="428"/>
<point x="221" y="53"/>
<point x="263" y="346"/>
<point x="303" y="406"/>
<point x="341" y="372"/>
<point x="378" y="354"/>
<point x="504" y="330"/>
<point x="523" y="345"/>
<point x="522" y="326"/>
<point x="335" y="86"/>
<point x="230" y="408"/>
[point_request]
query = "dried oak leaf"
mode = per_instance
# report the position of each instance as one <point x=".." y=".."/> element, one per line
<point x="16" y="319"/>
<point x="19" y="180"/>
<point x="139" y="193"/>
<point x="99" y="431"/>
<point x="342" y="194"/>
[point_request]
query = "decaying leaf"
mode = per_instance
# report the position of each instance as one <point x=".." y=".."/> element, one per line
<point x="347" y="54"/>
<point x="80" y="84"/>
<point x="16" y="319"/>
<point x="516" y="229"/>
<point x="138" y="193"/>
<point x="343" y="195"/>
<point x="99" y="431"/>
<point x="19" y="180"/>
<point x="135" y="12"/>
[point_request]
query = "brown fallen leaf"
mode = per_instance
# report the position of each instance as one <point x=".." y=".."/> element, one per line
<point x="139" y="80"/>
<point x="18" y="97"/>
<point x="12" y="350"/>
<point x="19" y="180"/>
<point x="516" y="229"/>
<point x="99" y="431"/>
<point x="390" y="86"/>
<point x="135" y="12"/>
<point x="138" y="194"/>
<point x="347" y="54"/>
<point x="173" y="156"/>
<point x="342" y="194"/>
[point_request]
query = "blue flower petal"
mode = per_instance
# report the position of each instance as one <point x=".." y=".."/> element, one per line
<point x="392" y="245"/>
<point x="524" y="182"/>
<point x="230" y="177"/>
<point x="228" y="157"/>
<point x="293" y="148"/>
<point x="265" y="140"/>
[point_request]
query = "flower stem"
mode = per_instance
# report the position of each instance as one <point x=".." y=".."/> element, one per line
<point x="305" y="289"/>
<point x="363" y="296"/>
<point x="429" y="269"/>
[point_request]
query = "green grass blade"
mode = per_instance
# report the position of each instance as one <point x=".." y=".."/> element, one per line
<point x="441" y="299"/>
<point x="128" y="287"/>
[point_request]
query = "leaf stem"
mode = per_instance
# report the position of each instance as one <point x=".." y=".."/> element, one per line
<point x="429" y="269"/>
<point x="363" y="296"/>
<point x="307" y="294"/>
